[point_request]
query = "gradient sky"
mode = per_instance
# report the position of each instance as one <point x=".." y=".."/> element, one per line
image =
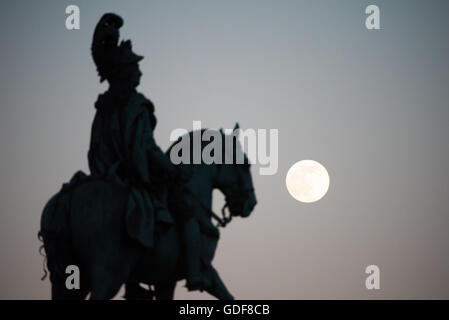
<point x="371" y="106"/>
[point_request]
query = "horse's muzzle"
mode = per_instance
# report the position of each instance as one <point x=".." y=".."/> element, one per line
<point x="248" y="205"/>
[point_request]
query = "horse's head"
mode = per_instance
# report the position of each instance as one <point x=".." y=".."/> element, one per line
<point x="234" y="177"/>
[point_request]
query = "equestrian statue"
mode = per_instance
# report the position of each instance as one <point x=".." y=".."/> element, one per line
<point x="138" y="218"/>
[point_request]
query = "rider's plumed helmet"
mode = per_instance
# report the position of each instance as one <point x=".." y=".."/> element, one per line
<point x="108" y="55"/>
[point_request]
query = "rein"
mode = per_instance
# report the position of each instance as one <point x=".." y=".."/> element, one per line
<point x="221" y="221"/>
<point x="236" y="196"/>
<point x="224" y="219"/>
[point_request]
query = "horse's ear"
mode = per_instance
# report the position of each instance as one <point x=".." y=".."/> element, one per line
<point x="237" y="128"/>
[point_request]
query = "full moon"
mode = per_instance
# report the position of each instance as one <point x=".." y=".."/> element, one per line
<point x="307" y="181"/>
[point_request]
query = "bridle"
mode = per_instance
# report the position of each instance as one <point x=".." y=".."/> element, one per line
<point x="221" y="221"/>
<point x="230" y="198"/>
<point x="243" y="195"/>
<point x="233" y="197"/>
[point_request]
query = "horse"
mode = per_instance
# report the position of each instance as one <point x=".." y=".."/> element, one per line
<point x="89" y="231"/>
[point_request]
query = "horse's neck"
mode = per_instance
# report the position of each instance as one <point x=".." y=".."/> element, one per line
<point x="201" y="184"/>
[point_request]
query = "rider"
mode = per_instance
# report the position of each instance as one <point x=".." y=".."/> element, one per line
<point x="123" y="148"/>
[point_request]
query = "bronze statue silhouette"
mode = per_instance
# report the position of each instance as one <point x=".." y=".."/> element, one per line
<point x="137" y="218"/>
<point x="122" y="144"/>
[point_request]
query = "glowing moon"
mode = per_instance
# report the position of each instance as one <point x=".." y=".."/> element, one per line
<point x="307" y="181"/>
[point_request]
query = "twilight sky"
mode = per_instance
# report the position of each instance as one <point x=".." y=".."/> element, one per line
<point x="371" y="106"/>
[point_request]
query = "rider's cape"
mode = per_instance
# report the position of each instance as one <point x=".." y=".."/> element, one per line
<point x="122" y="150"/>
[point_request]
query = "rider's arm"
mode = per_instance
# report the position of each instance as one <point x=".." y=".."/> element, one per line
<point x="156" y="157"/>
